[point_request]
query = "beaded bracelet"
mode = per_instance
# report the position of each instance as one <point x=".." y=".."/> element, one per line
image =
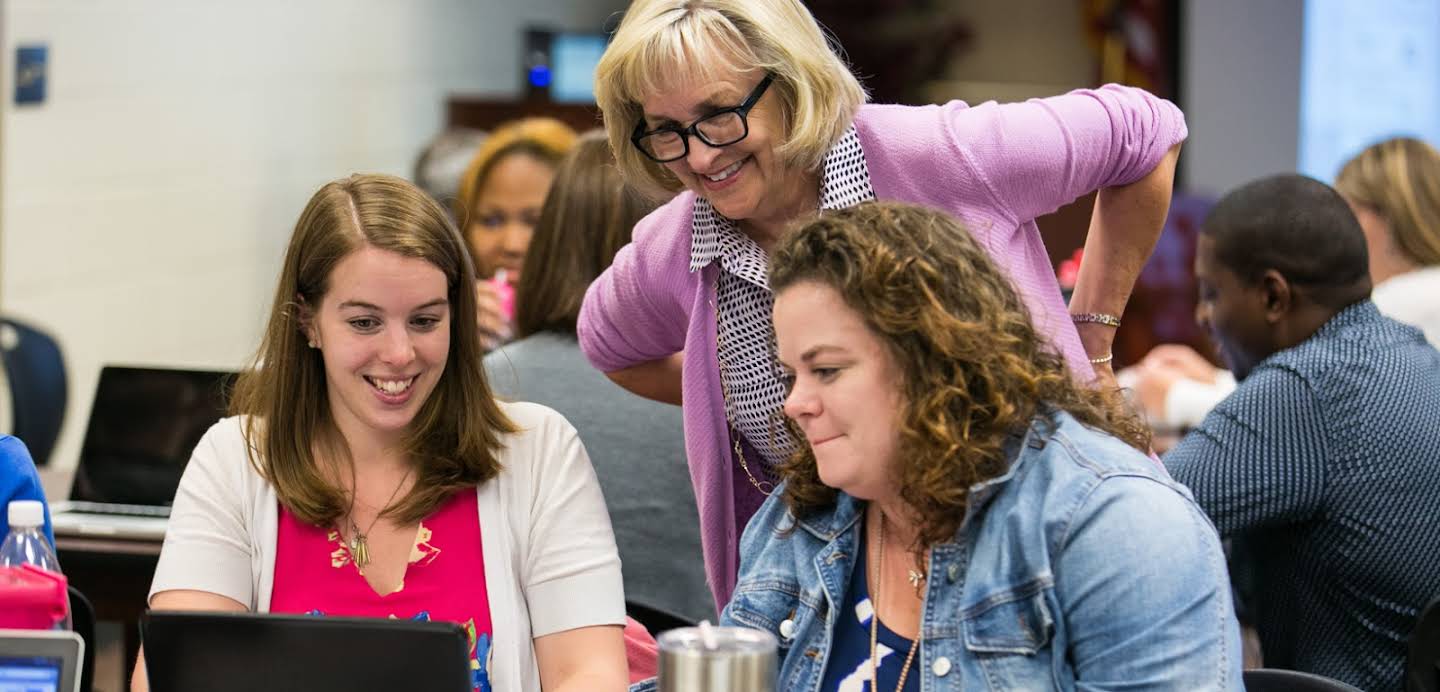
<point x="1096" y="318"/>
<point x="1102" y="359"/>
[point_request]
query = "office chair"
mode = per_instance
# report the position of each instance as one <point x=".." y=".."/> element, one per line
<point x="1422" y="665"/>
<point x="35" y="372"/>
<point x="1277" y="680"/>
<point x="82" y="622"/>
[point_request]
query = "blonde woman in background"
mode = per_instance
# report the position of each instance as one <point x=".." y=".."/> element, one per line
<point x="1394" y="189"/>
<point x="497" y="207"/>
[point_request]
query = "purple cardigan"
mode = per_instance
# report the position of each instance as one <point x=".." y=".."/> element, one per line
<point x="996" y="167"/>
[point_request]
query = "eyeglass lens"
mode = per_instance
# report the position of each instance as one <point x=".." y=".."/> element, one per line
<point x="717" y="131"/>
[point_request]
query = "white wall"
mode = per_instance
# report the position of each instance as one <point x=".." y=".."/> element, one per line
<point x="144" y="207"/>
<point x="1240" y="87"/>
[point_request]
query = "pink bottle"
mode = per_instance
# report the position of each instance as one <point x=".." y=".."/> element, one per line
<point x="506" y="292"/>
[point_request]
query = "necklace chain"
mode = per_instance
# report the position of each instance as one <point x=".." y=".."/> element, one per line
<point x="879" y="575"/>
<point x="766" y="486"/>
<point x="358" y="544"/>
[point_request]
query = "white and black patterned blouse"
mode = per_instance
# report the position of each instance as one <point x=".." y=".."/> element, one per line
<point x="754" y="392"/>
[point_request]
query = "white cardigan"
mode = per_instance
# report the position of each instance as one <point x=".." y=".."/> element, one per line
<point x="550" y="558"/>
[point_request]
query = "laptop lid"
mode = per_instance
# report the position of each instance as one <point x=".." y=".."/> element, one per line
<point x="143" y="426"/>
<point x="243" y="652"/>
<point x="40" y="660"/>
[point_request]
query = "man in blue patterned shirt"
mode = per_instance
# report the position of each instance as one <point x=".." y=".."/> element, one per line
<point x="1325" y="462"/>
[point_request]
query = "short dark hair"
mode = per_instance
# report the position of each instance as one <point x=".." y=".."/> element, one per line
<point x="1297" y="226"/>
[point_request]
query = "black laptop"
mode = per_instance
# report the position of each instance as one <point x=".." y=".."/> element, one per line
<point x="244" y="652"/>
<point x="143" y="426"/>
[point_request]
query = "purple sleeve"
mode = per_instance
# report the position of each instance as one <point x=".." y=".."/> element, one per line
<point x="1037" y="156"/>
<point x="630" y="314"/>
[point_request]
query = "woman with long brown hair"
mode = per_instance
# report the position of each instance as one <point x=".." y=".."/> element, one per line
<point x="365" y="458"/>
<point x="965" y="506"/>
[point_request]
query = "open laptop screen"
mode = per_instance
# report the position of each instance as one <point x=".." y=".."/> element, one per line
<point x="29" y="674"/>
<point x="143" y="426"/>
<point x="40" y="660"/>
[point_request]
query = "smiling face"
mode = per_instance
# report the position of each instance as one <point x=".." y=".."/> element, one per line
<point x="745" y="181"/>
<point x="845" y="392"/>
<point x="383" y="330"/>
<point x="507" y="206"/>
<point x="1232" y="311"/>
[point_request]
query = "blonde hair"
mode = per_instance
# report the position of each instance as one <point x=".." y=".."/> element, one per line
<point x="1400" y="179"/>
<point x="661" y="42"/>
<point x="456" y="435"/>
<point x="545" y="139"/>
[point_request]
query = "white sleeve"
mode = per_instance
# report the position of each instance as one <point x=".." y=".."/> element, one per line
<point x="571" y="571"/>
<point x="207" y="543"/>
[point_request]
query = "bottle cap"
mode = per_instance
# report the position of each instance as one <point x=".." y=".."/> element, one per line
<point x="27" y="513"/>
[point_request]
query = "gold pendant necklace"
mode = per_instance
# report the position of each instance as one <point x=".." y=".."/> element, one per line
<point x="359" y="546"/>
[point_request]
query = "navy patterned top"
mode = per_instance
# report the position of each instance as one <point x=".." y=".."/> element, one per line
<point x="1325" y="462"/>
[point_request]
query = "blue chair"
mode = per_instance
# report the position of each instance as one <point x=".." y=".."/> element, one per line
<point x="35" y="372"/>
<point x="1277" y="680"/>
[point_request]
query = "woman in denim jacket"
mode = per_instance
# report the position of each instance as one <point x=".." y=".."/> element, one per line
<point x="1003" y="523"/>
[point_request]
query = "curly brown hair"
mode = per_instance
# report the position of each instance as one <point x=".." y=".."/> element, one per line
<point x="975" y="371"/>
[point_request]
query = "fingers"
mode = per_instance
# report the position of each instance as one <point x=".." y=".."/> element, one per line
<point x="490" y="321"/>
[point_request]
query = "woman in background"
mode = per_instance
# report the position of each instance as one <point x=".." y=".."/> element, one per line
<point x="972" y="513"/>
<point x="498" y="204"/>
<point x="366" y="458"/>
<point x="636" y="445"/>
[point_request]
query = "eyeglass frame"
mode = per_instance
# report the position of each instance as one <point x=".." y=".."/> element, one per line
<point x="742" y="110"/>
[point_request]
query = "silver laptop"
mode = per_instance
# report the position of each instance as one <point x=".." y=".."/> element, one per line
<point x="143" y="426"/>
<point x="40" y="661"/>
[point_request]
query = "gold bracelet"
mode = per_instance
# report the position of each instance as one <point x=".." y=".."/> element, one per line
<point x="1102" y="359"/>
<point x="1096" y="318"/>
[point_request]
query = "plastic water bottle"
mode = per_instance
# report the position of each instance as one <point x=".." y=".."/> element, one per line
<point x="26" y="544"/>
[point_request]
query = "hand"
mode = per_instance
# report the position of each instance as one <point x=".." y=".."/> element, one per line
<point x="490" y="322"/>
<point x="1182" y="360"/>
<point x="1152" y="384"/>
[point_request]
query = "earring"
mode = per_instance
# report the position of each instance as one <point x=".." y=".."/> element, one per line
<point x="314" y="344"/>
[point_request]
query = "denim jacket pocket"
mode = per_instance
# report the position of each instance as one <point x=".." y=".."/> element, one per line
<point x="1018" y="622"/>
<point x="1010" y="636"/>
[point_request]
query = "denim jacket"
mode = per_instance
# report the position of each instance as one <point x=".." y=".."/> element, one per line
<point x="1084" y="567"/>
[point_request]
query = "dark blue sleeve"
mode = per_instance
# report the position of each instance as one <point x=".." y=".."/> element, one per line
<point x="19" y="481"/>
<point x="1259" y="458"/>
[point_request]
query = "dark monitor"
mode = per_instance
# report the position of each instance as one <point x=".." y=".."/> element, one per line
<point x="243" y="652"/>
<point x="143" y="426"/>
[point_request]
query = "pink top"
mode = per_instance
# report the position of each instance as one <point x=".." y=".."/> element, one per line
<point x="445" y="579"/>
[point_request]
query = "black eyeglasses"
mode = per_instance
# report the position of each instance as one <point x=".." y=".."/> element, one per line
<point x="672" y="142"/>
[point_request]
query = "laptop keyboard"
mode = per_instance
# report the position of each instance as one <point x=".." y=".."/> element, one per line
<point x="119" y="509"/>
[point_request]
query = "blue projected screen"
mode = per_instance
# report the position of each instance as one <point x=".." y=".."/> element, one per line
<point x="573" y="58"/>
<point x="30" y="674"/>
<point x="1369" y="71"/>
